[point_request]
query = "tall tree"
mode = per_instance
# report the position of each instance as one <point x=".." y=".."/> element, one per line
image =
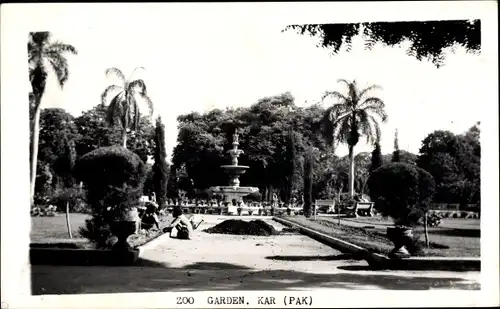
<point x="57" y="132"/>
<point x="160" y="167"/>
<point x="291" y="166"/>
<point x="352" y="117"/>
<point x="455" y="165"/>
<point x="376" y="157"/>
<point x="123" y="108"/>
<point x="65" y="163"/>
<point x="43" y="53"/>
<point x="308" y="182"/>
<point x="428" y="39"/>
<point x="395" y="153"/>
<point x="172" y="184"/>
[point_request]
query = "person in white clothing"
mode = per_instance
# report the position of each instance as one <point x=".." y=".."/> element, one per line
<point x="182" y="227"/>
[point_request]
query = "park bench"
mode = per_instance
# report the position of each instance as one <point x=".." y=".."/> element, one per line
<point x="364" y="209"/>
<point x="325" y="206"/>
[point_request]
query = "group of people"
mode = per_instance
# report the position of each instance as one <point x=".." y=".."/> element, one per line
<point x="181" y="227"/>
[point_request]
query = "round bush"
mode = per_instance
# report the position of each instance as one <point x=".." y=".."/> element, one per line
<point x="114" y="178"/>
<point x="110" y="166"/>
<point x="401" y="191"/>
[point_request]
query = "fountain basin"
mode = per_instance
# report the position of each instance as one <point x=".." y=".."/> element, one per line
<point x="235" y="169"/>
<point x="231" y="193"/>
<point x="242" y="191"/>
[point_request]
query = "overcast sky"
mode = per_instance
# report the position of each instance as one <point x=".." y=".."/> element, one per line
<point x="234" y="61"/>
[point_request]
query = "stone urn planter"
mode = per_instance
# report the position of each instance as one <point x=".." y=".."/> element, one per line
<point x="122" y="230"/>
<point x="126" y="225"/>
<point x="401" y="237"/>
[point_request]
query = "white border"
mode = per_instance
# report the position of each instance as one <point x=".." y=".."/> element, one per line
<point x="19" y="19"/>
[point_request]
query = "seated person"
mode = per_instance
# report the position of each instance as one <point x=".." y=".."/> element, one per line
<point x="149" y="219"/>
<point x="182" y="226"/>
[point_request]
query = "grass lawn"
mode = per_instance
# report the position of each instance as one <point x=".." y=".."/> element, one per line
<point x="53" y="230"/>
<point x="446" y="223"/>
<point x="447" y="240"/>
<point x="44" y="229"/>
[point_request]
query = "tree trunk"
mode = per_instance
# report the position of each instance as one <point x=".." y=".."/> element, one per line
<point x="68" y="223"/>
<point x="363" y="186"/>
<point x="425" y="231"/>
<point x="34" y="150"/>
<point x="351" y="171"/>
<point x="124" y="137"/>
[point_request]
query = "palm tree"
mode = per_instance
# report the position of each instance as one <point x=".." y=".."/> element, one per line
<point x="42" y="53"/>
<point x="123" y="107"/>
<point x="353" y="116"/>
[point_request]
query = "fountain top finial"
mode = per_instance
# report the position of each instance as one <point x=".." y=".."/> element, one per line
<point x="235" y="136"/>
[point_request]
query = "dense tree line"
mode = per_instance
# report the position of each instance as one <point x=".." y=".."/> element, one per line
<point x="63" y="137"/>
<point x="269" y="128"/>
<point x="455" y="163"/>
<point x="275" y="134"/>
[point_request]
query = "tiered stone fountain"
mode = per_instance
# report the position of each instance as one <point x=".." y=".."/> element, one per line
<point x="233" y="193"/>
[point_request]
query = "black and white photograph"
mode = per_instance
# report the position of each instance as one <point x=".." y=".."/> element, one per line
<point x="250" y="152"/>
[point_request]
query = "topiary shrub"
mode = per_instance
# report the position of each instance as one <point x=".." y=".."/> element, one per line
<point x="402" y="192"/>
<point x="113" y="178"/>
<point x="110" y="166"/>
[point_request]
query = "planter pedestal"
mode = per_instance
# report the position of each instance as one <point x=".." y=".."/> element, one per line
<point x="122" y="230"/>
<point x="401" y="237"/>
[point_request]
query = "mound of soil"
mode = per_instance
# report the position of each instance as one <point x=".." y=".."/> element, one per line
<point x="240" y="227"/>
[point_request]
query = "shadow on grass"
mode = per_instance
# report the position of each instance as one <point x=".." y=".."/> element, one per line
<point x="456" y="232"/>
<point x="148" y="276"/>
<point x="311" y="258"/>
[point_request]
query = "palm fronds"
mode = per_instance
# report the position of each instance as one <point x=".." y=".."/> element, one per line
<point x="353" y="112"/>
<point x="108" y="90"/>
<point x="117" y="72"/>
<point x="124" y="106"/>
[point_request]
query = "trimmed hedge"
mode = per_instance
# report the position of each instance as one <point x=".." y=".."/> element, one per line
<point x="112" y="165"/>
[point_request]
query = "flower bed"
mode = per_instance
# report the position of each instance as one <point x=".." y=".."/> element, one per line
<point x="144" y="236"/>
